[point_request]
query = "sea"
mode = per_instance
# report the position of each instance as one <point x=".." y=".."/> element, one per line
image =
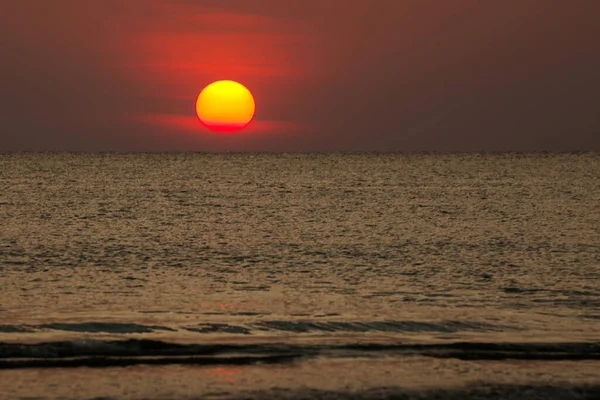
<point x="299" y="276"/>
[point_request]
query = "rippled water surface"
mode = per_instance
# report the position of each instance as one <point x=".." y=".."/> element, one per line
<point x="392" y="275"/>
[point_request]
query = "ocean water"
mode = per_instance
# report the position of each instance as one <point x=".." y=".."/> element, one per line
<point x="363" y="276"/>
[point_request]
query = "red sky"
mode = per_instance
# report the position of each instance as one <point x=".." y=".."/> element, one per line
<point x="327" y="75"/>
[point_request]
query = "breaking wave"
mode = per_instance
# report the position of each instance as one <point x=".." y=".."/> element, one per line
<point x="98" y="353"/>
<point x="263" y="326"/>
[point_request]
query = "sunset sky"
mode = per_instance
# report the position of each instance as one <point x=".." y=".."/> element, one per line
<point x="327" y="75"/>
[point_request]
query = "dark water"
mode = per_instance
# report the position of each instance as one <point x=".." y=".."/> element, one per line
<point x="176" y="276"/>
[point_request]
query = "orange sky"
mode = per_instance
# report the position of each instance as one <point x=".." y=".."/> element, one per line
<point x="326" y="74"/>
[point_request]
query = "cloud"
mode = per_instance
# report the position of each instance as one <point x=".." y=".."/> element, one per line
<point x="190" y="124"/>
<point x="194" y="44"/>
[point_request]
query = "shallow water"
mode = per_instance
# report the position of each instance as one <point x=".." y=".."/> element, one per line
<point x="289" y="267"/>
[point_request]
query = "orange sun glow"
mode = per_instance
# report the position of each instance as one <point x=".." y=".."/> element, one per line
<point x="225" y="106"/>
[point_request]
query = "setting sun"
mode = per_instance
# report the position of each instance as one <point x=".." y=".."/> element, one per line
<point x="225" y="106"/>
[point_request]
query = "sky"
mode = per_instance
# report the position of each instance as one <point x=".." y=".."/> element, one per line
<point x="327" y="75"/>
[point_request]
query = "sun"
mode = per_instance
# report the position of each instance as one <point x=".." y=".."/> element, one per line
<point x="225" y="106"/>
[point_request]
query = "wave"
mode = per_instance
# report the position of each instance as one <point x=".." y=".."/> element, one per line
<point x="98" y="353"/>
<point x="564" y="391"/>
<point x="264" y="326"/>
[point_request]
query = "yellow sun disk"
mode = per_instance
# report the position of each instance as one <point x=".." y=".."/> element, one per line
<point x="225" y="106"/>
